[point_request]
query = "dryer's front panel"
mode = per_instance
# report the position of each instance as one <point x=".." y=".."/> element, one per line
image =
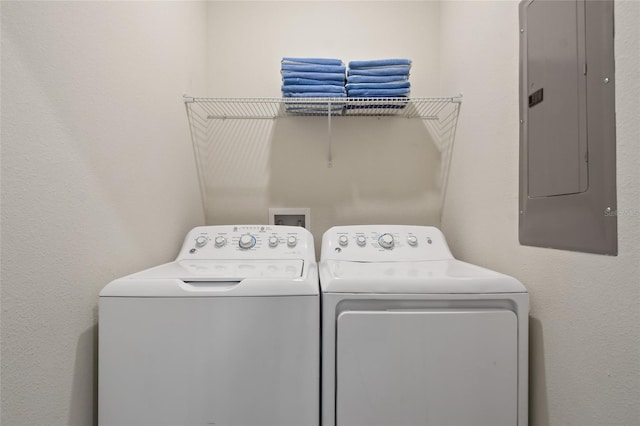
<point x="428" y="367"/>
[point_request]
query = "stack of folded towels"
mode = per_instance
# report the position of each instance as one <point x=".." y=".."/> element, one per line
<point x="379" y="78"/>
<point x="313" y="78"/>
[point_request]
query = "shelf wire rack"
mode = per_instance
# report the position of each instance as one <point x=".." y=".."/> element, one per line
<point x="271" y="108"/>
<point x="439" y="115"/>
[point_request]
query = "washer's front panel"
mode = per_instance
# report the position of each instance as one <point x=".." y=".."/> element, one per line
<point x="209" y="360"/>
<point x="427" y="367"/>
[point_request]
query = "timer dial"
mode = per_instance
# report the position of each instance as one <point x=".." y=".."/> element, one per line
<point x="386" y="241"/>
<point x="247" y="241"/>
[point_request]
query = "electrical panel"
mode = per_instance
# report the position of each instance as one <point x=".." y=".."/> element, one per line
<point x="567" y="125"/>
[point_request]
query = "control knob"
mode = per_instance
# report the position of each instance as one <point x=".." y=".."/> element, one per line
<point x="361" y="240"/>
<point x="247" y="241"/>
<point x="201" y="241"/>
<point x="343" y="240"/>
<point x="273" y="241"/>
<point x="412" y="240"/>
<point x="292" y="240"/>
<point x="220" y="241"/>
<point x="386" y="241"/>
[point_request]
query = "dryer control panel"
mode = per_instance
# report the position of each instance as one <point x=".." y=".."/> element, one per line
<point x="247" y="242"/>
<point x="384" y="243"/>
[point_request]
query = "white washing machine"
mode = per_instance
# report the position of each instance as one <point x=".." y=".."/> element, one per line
<point x="412" y="336"/>
<point x="227" y="334"/>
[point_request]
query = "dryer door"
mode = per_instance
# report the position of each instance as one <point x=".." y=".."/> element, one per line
<point x="427" y="367"/>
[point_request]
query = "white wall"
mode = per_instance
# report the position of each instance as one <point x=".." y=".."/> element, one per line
<point x="247" y="40"/>
<point x="585" y="316"/>
<point x="97" y="180"/>
<point x="384" y="171"/>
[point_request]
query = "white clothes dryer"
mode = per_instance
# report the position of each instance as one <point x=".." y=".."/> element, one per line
<point x="227" y="334"/>
<point x="412" y="336"/>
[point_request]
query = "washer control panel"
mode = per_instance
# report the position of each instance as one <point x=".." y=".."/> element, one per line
<point x="384" y="243"/>
<point x="247" y="242"/>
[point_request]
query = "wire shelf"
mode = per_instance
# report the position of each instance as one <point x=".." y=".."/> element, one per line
<point x="207" y="118"/>
<point x="271" y="108"/>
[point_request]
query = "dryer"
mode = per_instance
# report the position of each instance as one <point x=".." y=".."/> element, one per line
<point x="227" y="334"/>
<point x="412" y="336"/>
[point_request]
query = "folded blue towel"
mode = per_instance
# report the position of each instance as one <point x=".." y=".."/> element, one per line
<point x="313" y="68"/>
<point x="373" y="93"/>
<point x="314" y="95"/>
<point x="333" y="76"/>
<point x="313" y="88"/>
<point x="393" y="85"/>
<point x="376" y="78"/>
<point x="290" y="81"/>
<point x="379" y="63"/>
<point x="381" y="71"/>
<point x="316" y="61"/>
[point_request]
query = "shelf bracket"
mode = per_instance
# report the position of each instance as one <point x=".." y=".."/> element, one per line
<point x="329" y="157"/>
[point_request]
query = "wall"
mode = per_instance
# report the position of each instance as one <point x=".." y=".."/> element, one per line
<point x="585" y="339"/>
<point x="384" y="171"/>
<point x="98" y="181"/>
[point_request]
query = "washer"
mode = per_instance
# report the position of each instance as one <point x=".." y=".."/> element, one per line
<point x="227" y="334"/>
<point x="412" y="336"/>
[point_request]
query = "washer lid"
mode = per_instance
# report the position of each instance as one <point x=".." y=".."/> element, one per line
<point x="425" y="277"/>
<point x="209" y="278"/>
<point x="227" y="270"/>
